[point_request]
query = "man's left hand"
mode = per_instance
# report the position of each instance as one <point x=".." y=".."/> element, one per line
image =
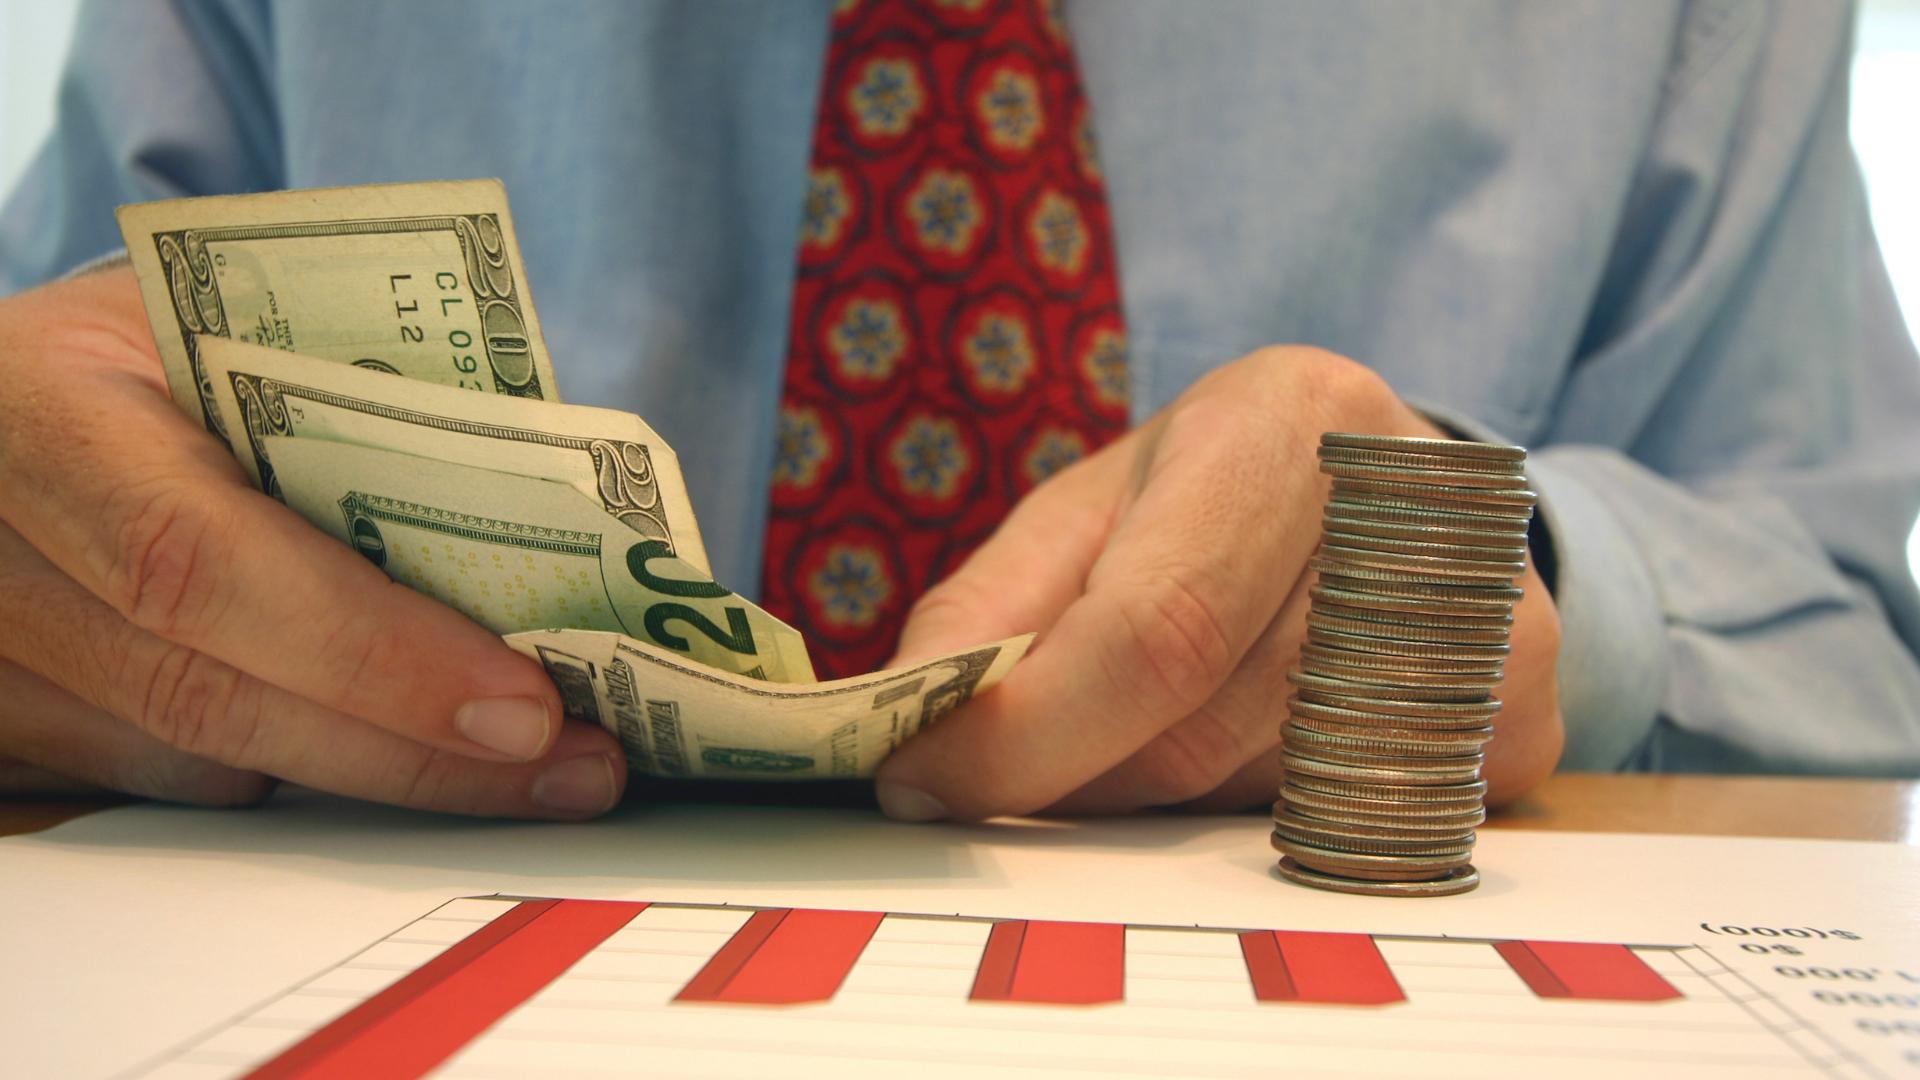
<point x="1167" y="578"/>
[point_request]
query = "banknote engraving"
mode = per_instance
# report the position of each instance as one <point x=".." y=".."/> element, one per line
<point x="199" y="308"/>
<point x="574" y="677"/>
<point x="741" y="729"/>
<point x="751" y="760"/>
<point x="628" y="486"/>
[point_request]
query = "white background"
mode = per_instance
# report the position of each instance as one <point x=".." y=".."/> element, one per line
<point x="1886" y="84"/>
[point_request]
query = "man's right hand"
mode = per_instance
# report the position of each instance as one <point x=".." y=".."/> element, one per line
<point x="168" y="631"/>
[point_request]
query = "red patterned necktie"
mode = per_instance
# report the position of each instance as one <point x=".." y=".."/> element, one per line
<point x="956" y="334"/>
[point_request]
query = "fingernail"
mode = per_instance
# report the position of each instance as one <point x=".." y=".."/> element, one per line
<point x="514" y="726"/>
<point x="582" y="785"/>
<point x="903" y="803"/>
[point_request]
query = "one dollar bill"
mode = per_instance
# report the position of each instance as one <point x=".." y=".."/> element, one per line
<point x="420" y="280"/>
<point x="676" y="719"/>
<point x="515" y="553"/>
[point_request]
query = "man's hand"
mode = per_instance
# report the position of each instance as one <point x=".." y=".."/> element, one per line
<point x="166" y="630"/>
<point x="1167" y="577"/>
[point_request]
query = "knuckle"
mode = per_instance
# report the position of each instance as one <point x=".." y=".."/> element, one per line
<point x="954" y="600"/>
<point x="360" y="654"/>
<point x="1009" y="798"/>
<point x="197" y="704"/>
<point x="1188" y="761"/>
<point x="164" y="571"/>
<point x="1342" y="383"/>
<point x="1175" y="641"/>
<point x="425" y="784"/>
<point x="195" y="782"/>
<point x="432" y="780"/>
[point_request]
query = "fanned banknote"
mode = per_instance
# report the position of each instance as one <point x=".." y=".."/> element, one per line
<point x="677" y="719"/>
<point x="611" y="457"/>
<point x="372" y="358"/>
<point x="516" y="553"/>
<point x="420" y="280"/>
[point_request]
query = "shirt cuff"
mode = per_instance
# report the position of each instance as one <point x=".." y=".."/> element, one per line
<point x="98" y="263"/>
<point x="1613" y="665"/>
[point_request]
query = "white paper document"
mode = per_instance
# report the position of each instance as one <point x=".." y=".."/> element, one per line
<point x="318" y="938"/>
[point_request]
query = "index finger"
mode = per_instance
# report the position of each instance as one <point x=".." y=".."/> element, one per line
<point x="1191" y="576"/>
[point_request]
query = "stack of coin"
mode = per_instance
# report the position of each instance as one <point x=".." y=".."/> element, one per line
<point x="1406" y="641"/>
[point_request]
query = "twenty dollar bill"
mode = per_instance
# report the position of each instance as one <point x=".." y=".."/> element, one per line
<point x="515" y="553"/>
<point x="611" y="457"/>
<point x="420" y="280"/>
<point x="677" y="719"/>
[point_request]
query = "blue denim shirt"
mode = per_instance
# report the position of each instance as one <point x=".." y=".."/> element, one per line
<point x="1629" y="235"/>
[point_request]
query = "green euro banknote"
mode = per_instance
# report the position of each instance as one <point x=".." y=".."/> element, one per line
<point x="420" y="280"/>
<point x="611" y="457"/>
<point x="518" y="553"/>
<point x="676" y="719"/>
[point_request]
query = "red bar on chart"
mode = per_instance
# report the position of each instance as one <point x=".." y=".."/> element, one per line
<point x="785" y="956"/>
<point x="1056" y="963"/>
<point x="1323" y="969"/>
<point x="412" y="1026"/>
<point x="1584" y="971"/>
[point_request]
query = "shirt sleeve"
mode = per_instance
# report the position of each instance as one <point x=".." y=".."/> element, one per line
<point x="157" y="100"/>
<point x="1733" y="468"/>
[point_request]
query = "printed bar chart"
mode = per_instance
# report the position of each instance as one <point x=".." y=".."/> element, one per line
<point x="1578" y="969"/>
<point x="1328" y="969"/>
<point x="413" y="1025"/>
<point x="1056" y="963"/>
<point x="784" y="957"/>
<point x="501" y="986"/>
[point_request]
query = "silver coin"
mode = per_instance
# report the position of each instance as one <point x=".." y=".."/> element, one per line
<point x="1469" y="793"/>
<point x="1411" y="756"/>
<point x="1392" y="512"/>
<point x="1365" y="774"/>
<point x="1353" y="603"/>
<point x="1329" y="566"/>
<point x="1497" y="599"/>
<point x="1307" y="734"/>
<point x="1300" y="820"/>
<point x="1410" y="816"/>
<point x="1457" y="535"/>
<point x="1460" y="880"/>
<point x="1348" y="664"/>
<point x="1286" y="817"/>
<point x="1445" y="494"/>
<point x="1410" y="829"/>
<point x="1388" y="692"/>
<point x="1394" y="459"/>
<point x="1359" y="665"/>
<point x="1405" y="849"/>
<point x="1465" y="732"/>
<point x="1417" y="649"/>
<point x="1379" y="867"/>
<point x="1501" y="570"/>
<point x="1399" y="730"/>
<point x="1452" y="764"/>
<point x="1471" y="619"/>
<point x="1375" y="710"/>
<point x="1319" y="619"/>
<point x="1453" y="478"/>
<point x="1463" y="687"/>
<point x="1299" y="708"/>
<point x="1405" y="444"/>
<point x="1331" y="534"/>
<point x="1346" y="499"/>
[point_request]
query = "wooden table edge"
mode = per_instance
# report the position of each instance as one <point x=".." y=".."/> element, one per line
<point x="1819" y="808"/>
